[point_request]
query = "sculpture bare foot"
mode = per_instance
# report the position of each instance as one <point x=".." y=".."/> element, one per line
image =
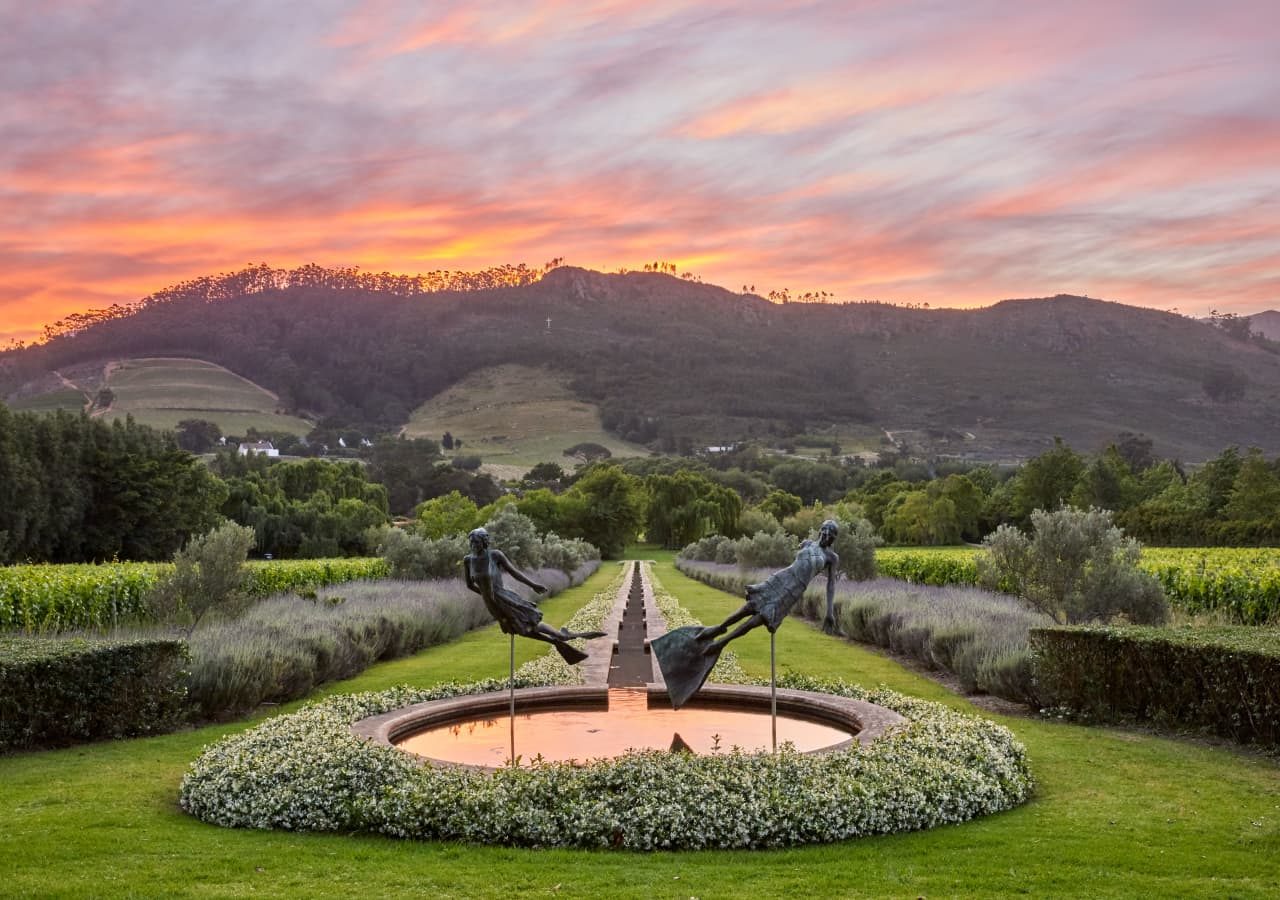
<point x="572" y="635"/>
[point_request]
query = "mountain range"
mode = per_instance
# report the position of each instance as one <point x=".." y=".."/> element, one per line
<point x="671" y="362"/>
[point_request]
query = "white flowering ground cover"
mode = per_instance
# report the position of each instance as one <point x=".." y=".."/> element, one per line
<point x="308" y="772"/>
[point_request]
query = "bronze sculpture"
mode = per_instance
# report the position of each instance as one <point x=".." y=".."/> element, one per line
<point x="483" y="568"/>
<point x="687" y="655"/>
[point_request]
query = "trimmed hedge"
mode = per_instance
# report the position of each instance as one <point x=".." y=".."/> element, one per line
<point x="1221" y="680"/>
<point x="59" y="691"/>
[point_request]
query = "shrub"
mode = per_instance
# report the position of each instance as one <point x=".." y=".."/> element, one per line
<point x="60" y="691"/>
<point x="208" y="575"/>
<point x="566" y="554"/>
<point x="515" y="535"/>
<point x="285" y="646"/>
<point x="1078" y="567"/>
<point x="703" y="548"/>
<point x="753" y="519"/>
<point x="764" y="550"/>
<point x="1222" y="680"/>
<point x="856" y="547"/>
<point x="727" y="552"/>
<point x="411" y="558"/>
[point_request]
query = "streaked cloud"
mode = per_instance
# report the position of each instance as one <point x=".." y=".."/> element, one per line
<point x="955" y="154"/>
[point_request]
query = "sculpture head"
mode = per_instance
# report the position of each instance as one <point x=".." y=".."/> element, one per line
<point x="479" y="539"/>
<point x="828" y="533"/>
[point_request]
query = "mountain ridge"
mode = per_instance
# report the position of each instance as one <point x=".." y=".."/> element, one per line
<point x="670" y="361"/>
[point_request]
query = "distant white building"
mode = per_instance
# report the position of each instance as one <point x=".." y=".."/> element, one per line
<point x="263" y="448"/>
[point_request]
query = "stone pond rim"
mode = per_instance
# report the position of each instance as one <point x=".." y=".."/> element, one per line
<point x="864" y="721"/>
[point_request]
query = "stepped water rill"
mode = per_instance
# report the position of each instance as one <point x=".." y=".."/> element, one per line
<point x="621" y="707"/>
<point x="632" y="666"/>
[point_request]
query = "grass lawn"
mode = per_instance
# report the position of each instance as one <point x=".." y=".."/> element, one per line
<point x="1115" y="814"/>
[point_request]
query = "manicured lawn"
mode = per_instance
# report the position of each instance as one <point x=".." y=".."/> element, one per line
<point x="1115" y="814"/>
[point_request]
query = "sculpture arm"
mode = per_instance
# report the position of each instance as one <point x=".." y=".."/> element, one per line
<point x="829" y="623"/>
<point x="506" y="566"/>
<point x="466" y="575"/>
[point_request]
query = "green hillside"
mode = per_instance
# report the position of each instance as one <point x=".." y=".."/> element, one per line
<point x="66" y="398"/>
<point x="515" y="417"/>
<point x="163" y="392"/>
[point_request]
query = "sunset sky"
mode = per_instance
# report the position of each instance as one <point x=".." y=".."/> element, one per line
<point x="941" y="152"/>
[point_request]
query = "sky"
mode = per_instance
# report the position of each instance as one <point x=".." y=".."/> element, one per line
<point x="947" y="153"/>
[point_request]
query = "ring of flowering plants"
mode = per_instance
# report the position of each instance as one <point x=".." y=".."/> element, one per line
<point x="309" y="772"/>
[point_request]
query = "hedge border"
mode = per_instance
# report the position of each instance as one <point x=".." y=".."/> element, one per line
<point x="1224" y="681"/>
<point x="58" y="691"/>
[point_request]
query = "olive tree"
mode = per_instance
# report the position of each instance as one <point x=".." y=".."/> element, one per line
<point x="1076" y="566"/>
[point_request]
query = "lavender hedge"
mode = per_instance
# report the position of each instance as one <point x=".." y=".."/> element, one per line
<point x="977" y="635"/>
<point x="283" y="647"/>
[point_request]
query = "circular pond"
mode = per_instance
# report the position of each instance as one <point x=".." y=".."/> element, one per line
<point x="575" y="724"/>
<point x="626" y="722"/>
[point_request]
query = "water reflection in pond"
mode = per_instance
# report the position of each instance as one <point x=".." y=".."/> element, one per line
<point x="629" y="723"/>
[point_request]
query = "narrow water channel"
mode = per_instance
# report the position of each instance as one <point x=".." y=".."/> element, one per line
<point x="631" y="665"/>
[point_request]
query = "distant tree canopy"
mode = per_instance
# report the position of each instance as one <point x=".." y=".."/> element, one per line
<point x="1223" y="383"/>
<point x="686" y="506"/>
<point x="197" y="435"/>
<point x="605" y="507"/>
<point x="412" y="471"/>
<point x="76" y="489"/>
<point x="311" y="508"/>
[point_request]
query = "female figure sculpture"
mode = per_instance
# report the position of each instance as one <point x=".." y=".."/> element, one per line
<point x="482" y="570"/>
<point x="769" y="601"/>
<point x="687" y="655"/>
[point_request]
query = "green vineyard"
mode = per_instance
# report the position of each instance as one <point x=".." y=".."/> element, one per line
<point x="1242" y="584"/>
<point x="49" y="598"/>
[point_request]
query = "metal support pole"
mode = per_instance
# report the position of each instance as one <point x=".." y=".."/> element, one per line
<point x="511" y="682"/>
<point x="773" y="686"/>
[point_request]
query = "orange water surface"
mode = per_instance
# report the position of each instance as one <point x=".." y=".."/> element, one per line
<point x="628" y="724"/>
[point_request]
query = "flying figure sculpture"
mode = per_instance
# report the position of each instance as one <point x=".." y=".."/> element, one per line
<point x="483" y="568"/>
<point x="687" y="655"/>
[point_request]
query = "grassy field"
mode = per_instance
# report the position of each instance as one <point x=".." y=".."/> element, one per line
<point x="163" y="392"/>
<point x="67" y="398"/>
<point x="515" y="417"/>
<point x="1116" y="813"/>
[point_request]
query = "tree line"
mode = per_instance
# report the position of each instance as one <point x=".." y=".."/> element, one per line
<point x="74" y="489"/>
